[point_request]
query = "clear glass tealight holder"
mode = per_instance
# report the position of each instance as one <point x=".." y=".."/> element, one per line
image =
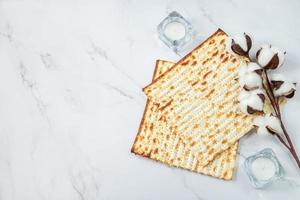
<point x="175" y="31"/>
<point x="263" y="168"/>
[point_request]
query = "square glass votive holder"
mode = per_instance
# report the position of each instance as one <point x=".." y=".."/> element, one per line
<point x="261" y="176"/>
<point x="175" y="31"/>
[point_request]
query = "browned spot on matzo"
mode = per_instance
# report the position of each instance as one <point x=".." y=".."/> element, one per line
<point x="206" y="74"/>
<point x="194" y="63"/>
<point x="194" y="83"/>
<point x="222" y="41"/>
<point x="185" y="63"/>
<point x="167" y="104"/>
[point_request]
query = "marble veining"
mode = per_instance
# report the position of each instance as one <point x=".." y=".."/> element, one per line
<point x="71" y="80"/>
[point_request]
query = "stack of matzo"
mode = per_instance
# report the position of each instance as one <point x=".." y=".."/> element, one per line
<point x="192" y="119"/>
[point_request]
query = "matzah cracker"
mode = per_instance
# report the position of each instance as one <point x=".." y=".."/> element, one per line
<point x="152" y="143"/>
<point x="197" y="100"/>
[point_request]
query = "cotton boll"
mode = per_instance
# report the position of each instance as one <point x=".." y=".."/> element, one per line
<point x="268" y="124"/>
<point x="249" y="77"/>
<point x="252" y="66"/>
<point x="270" y="57"/>
<point x="273" y="124"/>
<point x="258" y="91"/>
<point x="243" y="70"/>
<point x="241" y="40"/>
<point x="244" y="106"/>
<point x="283" y="86"/>
<point x="240" y="44"/>
<point x="242" y="98"/>
<point x="263" y="131"/>
<point x="265" y="55"/>
<point x="255" y="102"/>
<point x="251" y="101"/>
<point x="278" y="77"/>
<point x="228" y="43"/>
<point x="243" y="95"/>
<point x="248" y="68"/>
<point x="260" y="122"/>
<point x="251" y="81"/>
<point x="280" y="55"/>
<point x="286" y="89"/>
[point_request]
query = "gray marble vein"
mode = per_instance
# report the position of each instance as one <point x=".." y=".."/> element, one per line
<point x="96" y="50"/>
<point x="33" y="89"/>
<point x="47" y="60"/>
<point x="71" y="97"/>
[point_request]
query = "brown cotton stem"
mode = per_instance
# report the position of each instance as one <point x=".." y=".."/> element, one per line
<point x="276" y="108"/>
<point x="274" y="102"/>
<point x="292" y="148"/>
<point x="282" y="141"/>
<point x="269" y="91"/>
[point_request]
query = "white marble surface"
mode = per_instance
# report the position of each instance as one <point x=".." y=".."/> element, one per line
<point x="71" y="74"/>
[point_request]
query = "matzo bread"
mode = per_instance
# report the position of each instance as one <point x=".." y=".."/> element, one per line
<point x="196" y="101"/>
<point x="153" y="144"/>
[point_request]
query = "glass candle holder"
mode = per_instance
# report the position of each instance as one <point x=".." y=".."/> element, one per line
<point x="175" y="31"/>
<point x="263" y="168"/>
